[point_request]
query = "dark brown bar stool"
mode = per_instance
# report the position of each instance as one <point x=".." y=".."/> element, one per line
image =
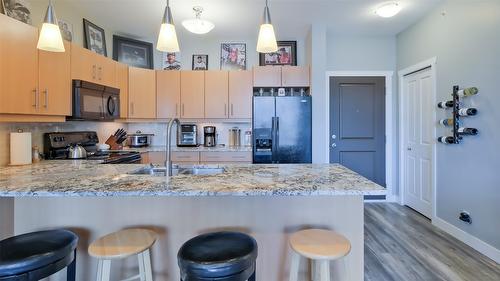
<point x="221" y="256"/>
<point x="36" y="255"/>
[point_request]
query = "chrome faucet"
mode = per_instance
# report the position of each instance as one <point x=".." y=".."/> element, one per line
<point x="168" y="160"/>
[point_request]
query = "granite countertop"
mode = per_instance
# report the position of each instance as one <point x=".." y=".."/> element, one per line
<point x="191" y="149"/>
<point x="87" y="178"/>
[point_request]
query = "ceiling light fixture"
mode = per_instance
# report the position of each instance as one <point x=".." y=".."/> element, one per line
<point x="50" y="38"/>
<point x="167" y="38"/>
<point x="266" y="42"/>
<point x="388" y="10"/>
<point x="197" y="25"/>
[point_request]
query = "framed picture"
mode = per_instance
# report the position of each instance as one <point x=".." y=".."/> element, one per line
<point x="200" y="62"/>
<point x="95" y="39"/>
<point x="17" y="9"/>
<point x="133" y="52"/>
<point x="171" y="61"/>
<point x="66" y="30"/>
<point x="233" y="56"/>
<point x="286" y="55"/>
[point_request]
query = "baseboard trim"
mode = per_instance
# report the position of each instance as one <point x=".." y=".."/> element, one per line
<point x="471" y="240"/>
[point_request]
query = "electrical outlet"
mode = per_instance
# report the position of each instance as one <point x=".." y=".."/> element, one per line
<point x="465" y="217"/>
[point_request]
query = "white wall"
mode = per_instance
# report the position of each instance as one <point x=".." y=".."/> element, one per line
<point x="466" y="42"/>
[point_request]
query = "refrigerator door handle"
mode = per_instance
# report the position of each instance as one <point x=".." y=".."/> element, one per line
<point x="273" y="139"/>
<point x="277" y="135"/>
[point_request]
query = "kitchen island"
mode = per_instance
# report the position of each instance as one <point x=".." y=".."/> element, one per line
<point x="267" y="201"/>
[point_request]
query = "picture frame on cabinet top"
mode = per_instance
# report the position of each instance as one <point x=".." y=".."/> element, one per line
<point x="133" y="52"/>
<point x="17" y="9"/>
<point x="200" y="62"/>
<point x="95" y="38"/>
<point x="233" y="56"/>
<point x="286" y="55"/>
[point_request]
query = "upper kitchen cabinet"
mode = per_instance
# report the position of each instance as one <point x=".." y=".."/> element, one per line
<point x="192" y="94"/>
<point x="141" y="93"/>
<point x="122" y="84"/>
<point x="216" y="94"/>
<point x="19" y="67"/>
<point x="295" y="76"/>
<point x="240" y="94"/>
<point x="267" y="76"/>
<point x="55" y="82"/>
<point x="89" y="66"/>
<point x="168" y="93"/>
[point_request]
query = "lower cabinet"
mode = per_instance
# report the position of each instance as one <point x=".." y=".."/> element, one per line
<point x="195" y="157"/>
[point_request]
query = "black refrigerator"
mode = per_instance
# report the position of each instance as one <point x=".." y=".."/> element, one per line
<point x="282" y="129"/>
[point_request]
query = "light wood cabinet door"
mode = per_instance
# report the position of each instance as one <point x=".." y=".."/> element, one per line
<point x="216" y="94"/>
<point x="225" y="157"/>
<point x="295" y="76"/>
<point x="192" y="94"/>
<point x="267" y="76"/>
<point x="168" y="93"/>
<point x="19" y="67"/>
<point x="240" y="94"/>
<point x="186" y="157"/>
<point x="122" y="84"/>
<point x="83" y="64"/>
<point x="55" y="82"/>
<point x="106" y="71"/>
<point x="142" y="93"/>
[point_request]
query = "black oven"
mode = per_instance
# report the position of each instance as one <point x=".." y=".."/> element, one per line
<point x="95" y="102"/>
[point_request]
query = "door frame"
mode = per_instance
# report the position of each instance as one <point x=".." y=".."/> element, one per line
<point x="390" y="129"/>
<point x="432" y="62"/>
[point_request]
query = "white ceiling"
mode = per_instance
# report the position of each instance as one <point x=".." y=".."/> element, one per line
<point x="291" y="18"/>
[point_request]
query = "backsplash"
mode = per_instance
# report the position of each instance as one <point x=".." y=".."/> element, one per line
<point x="104" y="130"/>
<point x="160" y="131"/>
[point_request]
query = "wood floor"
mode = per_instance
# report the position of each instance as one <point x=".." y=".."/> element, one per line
<point x="402" y="245"/>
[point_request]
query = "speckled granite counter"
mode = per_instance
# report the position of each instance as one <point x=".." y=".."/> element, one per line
<point x="190" y="149"/>
<point x="86" y="178"/>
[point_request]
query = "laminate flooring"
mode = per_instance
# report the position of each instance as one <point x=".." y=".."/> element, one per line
<point x="403" y="245"/>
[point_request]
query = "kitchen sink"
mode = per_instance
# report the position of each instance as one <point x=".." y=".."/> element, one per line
<point x="161" y="171"/>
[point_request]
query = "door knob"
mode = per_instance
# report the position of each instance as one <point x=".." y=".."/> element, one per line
<point x="334" y="136"/>
<point x="409" y="148"/>
<point x="334" y="145"/>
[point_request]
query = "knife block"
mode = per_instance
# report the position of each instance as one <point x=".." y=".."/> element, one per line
<point x="113" y="145"/>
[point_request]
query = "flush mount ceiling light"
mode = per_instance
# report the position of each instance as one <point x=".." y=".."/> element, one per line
<point x="266" y="42"/>
<point x="50" y="38"/>
<point x="388" y="10"/>
<point x="197" y="25"/>
<point x="167" y="38"/>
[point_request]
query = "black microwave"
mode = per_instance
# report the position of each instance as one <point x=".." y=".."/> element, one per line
<point x="94" y="102"/>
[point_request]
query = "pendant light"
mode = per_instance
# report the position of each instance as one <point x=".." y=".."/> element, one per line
<point x="50" y="38"/>
<point x="167" y="39"/>
<point x="267" y="40"/>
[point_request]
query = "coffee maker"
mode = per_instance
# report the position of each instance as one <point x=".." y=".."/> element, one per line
<point x="209" y="136"/>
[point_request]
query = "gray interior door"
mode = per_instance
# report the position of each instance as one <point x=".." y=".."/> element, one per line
<point x="357" y="125"/>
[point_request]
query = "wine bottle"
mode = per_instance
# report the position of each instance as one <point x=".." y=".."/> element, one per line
<point x="467" y="131"/>
<point x="445" y="104"/>
<point x="446" y="140"/>
<point x="468" y="111"/>
<point x="446" y="122"/>
<point x="467" y="92"/>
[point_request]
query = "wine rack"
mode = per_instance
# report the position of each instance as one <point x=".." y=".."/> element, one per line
<point x="457" y="114"/>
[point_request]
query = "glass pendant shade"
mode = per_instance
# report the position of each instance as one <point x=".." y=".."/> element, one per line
<point x="266" y="43"/>
<point x="167" y="38"/>
<point x="50" y="38"/>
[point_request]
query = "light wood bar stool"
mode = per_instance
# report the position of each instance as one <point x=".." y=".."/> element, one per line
<point x="320" y="246"/>
<point x="120" y="245"/>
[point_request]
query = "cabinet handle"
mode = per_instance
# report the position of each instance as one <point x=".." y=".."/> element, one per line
<point x="94" y="71"/>
<point x="232" y="110"/>
<point x="182" y="113"/>
<point x="46" y="93"/>
<point x="34" y="98"/>
<point x="225" y="110"/>
<point x="99" y="72"/>
<point x="131" y="109"/>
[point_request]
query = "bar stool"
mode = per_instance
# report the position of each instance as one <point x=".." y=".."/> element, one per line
<point x="320" y="246"/>
<point x="120" y="245"/>
<point x="221" y="256"/>
<point x="36" y="255"/>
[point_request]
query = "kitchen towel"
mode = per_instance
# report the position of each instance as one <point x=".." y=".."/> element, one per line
<point x="20" y="148"/>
